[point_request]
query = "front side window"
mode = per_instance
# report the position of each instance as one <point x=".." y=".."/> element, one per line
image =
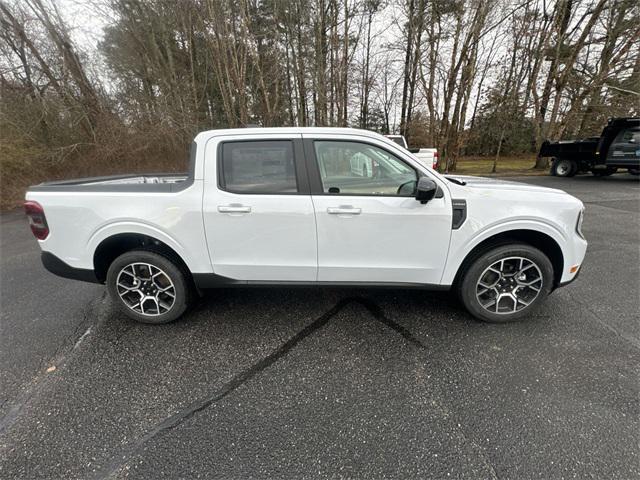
<point x="632" y="136"/>
<point x="628" y="136"/>
<point x="258" y="167"/>
<point x="354" y="168"/>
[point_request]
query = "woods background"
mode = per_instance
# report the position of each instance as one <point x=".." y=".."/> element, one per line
<point x="482" y="78"/>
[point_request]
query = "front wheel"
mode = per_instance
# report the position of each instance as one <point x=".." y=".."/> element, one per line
<point x="148" y="287"/>
<point x="564" y="168"/>
<point x="506" y="283"/>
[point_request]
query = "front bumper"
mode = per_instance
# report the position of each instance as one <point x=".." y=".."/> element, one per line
<point x="564" y="284"/>
<point x="573" y="256"/>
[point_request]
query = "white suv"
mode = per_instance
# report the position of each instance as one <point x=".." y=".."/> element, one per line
<point x="311" y="206"/>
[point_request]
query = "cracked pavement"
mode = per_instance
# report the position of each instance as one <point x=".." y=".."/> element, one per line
<point x="327" y="382"/>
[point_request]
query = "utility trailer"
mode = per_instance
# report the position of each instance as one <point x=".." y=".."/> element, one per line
<point x="618" y="147"/>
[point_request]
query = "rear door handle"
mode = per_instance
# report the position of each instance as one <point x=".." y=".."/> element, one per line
<point x="234" y="209"/>
<point x="344" y="210"/>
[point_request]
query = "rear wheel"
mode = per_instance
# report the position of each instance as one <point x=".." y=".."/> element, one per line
<point x="564" y="168"/>
<point x="148" y="287"/>
<point x="506" y="283"/>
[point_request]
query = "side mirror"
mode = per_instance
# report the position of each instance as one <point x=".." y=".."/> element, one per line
<point x="425" y="190"/>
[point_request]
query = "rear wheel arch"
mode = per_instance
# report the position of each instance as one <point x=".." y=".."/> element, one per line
<point x="534" y="238"/>
<point x="112" y="247"/>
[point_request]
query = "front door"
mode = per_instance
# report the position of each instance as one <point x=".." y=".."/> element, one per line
<point x="370" y="227"/>
<point x="258" y="215"/>
<point x="625" y="149"/>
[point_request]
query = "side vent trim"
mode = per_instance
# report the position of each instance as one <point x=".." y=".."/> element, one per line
<point x="459" y="213"/>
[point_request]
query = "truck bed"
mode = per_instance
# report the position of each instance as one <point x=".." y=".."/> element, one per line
<point x="570" y="149"/>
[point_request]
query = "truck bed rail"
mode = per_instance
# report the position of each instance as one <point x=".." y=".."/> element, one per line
<point x="158" y="182"/>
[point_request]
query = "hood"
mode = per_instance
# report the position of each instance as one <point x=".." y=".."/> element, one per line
<point x="484" y="183"/>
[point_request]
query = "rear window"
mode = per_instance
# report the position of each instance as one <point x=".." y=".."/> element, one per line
<point x="258" y="167"/>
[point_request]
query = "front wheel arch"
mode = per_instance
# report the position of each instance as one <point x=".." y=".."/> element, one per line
<point x="539" y="240"/>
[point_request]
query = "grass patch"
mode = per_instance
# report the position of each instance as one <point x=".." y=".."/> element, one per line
<point x="23" y="164"/>
<point x="507" y="166"/>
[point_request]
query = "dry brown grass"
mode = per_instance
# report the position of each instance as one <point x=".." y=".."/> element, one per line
<point x="507" y="166"/>
<point x="22" y="164"/>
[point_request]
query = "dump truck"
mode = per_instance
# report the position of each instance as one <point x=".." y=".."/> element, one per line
<point x="618" y="147"/>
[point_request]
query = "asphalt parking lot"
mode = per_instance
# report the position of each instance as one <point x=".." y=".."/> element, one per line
<point x="328" y="382"/>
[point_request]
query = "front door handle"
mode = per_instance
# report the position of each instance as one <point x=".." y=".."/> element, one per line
<point x="234" y="209"/>
<point x="344" y="210"/>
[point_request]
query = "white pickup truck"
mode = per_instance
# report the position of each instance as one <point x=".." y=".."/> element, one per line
<point x="308" y="206"/>
<point x="428" y="157"/>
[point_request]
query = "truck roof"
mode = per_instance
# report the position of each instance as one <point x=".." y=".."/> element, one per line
<point x="288" y="130"/>
<point x="624" y="121"/>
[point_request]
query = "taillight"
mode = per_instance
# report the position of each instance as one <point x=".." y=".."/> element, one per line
<point x="37" y="220"/>
<point x="436" y="157"/>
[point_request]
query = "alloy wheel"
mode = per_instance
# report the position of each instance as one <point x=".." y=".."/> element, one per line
<point x="509" y="285"/>
<point x="146" y="289"/>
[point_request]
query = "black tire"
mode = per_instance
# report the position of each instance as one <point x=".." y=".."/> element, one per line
<point x="469" y="286"/>
<point x="562" y="167"/>
<point x="634" y="171"/>
<point x="605" y="172"/>
<point x="178" y="279"/>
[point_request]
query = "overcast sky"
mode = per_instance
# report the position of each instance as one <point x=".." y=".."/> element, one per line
<point x="85" y="21"/>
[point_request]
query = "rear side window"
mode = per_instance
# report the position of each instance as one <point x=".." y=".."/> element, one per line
<point x="258" y="167"/>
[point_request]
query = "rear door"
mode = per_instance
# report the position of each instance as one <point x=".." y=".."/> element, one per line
<point x="258" y="214"/>
<point x="370" y="227"/>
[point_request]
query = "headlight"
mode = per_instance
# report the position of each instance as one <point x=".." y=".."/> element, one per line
<point x="579" y="223"/>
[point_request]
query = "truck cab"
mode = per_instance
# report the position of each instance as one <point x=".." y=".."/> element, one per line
<point x="624" y="150"/>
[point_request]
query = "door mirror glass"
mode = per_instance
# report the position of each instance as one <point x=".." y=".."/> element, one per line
<point x="425" y="190"/>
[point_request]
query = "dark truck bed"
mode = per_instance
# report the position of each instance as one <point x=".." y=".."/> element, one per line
<point x="573" y="149"/>
<point x="617" y="147"/>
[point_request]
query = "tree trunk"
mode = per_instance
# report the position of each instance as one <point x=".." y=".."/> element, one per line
<point x="407" y="67"/>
